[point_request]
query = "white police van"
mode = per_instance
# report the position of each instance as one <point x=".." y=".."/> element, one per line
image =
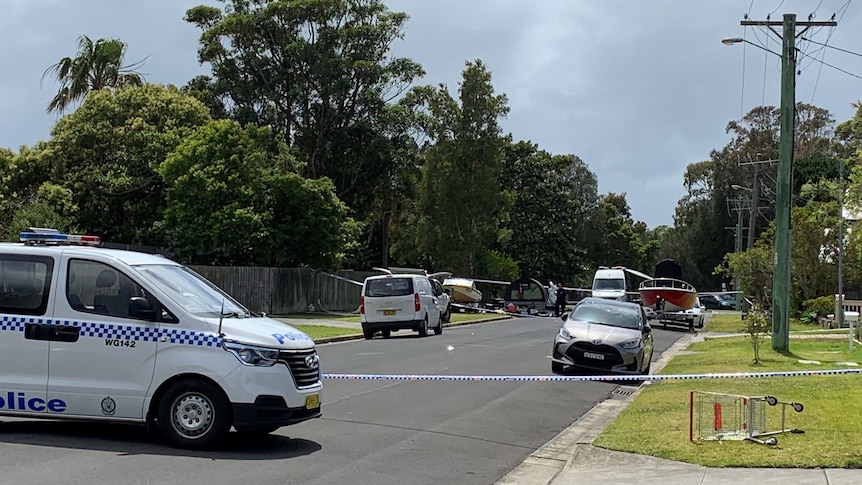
<point x="102" y="334"/>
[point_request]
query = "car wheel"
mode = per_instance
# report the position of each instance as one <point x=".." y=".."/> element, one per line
<point x="369" y="334"/>
<point x="647" y="370"/>
<point x="194" y="414"/>
<point x="448" y="316"/>
<point x="556" y="367"/>
<point x="386" y="333"/>
<point x="423" y="330"/>
<point x="439" y="328"/>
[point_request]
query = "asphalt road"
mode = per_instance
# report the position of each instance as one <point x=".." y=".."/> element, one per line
<point x="372" y="432"/>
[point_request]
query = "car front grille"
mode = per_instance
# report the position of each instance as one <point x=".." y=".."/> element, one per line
<point x="303" y="375"/>
<point x="612" y="356"/>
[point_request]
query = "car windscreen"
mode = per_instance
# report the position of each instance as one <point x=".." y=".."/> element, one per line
<point x="612" y="315"/>
<point x="192" y="292"/>
<point x="389" y="287"/>
<point x="609" y="284"/>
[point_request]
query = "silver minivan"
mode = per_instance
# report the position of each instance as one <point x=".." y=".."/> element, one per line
<point x="395" y="302"/>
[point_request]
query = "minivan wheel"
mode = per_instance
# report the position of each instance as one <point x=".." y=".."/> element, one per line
<point x="386" y="333"/>
<point x="194" y="414"/>
<point x="423" y="330"/>
<point x="368" y="334"/>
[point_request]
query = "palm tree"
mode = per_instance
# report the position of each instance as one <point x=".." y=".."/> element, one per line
<point x="97" y="65"/>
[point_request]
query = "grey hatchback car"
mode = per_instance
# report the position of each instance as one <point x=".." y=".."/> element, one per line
<point x="604" y="335"/>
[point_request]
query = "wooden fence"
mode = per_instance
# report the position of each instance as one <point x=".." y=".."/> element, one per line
<point x="279" y="291"/>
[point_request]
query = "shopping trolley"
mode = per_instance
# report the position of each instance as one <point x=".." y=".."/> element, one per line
<point x="719" y="416"/>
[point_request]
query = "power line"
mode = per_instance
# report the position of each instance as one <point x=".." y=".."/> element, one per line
<point x="833" y="67"/>
<point x="832" y="46"/>
<point x="776" y="9"/>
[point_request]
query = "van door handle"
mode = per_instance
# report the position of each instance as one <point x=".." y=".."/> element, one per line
<point x="65" y="334"/>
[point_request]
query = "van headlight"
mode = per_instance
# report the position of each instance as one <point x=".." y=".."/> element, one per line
<point x="251" y="355"/>
<point x="631" y="344"/>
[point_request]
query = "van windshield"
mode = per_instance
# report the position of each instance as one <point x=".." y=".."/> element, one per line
<point x="192" y="291"/>
<point x="609" y="284"/>
<point x="389" y="287"/>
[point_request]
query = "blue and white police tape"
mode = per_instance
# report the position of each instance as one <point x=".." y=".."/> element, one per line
<point x="557" y="378"/>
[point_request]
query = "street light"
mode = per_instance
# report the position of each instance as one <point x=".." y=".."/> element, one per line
<point x="740" y="40"/>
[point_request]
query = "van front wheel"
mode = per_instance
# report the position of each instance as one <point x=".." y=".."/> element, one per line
<point x="194" y="414"/>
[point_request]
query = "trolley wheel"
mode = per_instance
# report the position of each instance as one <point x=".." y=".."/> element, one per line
<point x="771" y="400"/>
<point x="771" y="441"/>
<point x="797" y="406"/>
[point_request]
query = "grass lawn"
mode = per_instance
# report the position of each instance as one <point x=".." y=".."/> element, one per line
<point x="317" y="332"/>
<point x="657" y="422"/>
<point x="322" y="331"/>
<point x="733" y="323"/>
<point x="320" y="316"/>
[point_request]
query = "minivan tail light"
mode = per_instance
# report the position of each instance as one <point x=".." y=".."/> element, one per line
<point x="362" y="305"/>
<point x="417" y="304"/>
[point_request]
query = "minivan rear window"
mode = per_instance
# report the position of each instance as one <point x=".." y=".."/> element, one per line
<point x="389" y="287"/>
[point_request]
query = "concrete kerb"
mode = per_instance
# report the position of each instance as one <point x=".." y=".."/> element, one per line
<point x="544" y="465"/>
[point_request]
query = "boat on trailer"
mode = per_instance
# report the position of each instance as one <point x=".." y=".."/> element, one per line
<point x="671" y="294"/>
<point x="667" y="289"/>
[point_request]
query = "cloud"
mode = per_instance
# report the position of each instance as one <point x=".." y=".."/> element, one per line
<point x="638" y="90"/>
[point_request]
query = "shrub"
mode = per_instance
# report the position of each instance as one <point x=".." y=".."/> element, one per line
<point x="821" y="306"/>
<point x="756" y="326"/>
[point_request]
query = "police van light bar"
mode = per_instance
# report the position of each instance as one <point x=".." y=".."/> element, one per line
<point x="52" y="236"/>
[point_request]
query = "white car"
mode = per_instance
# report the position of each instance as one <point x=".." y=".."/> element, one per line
<point x="444" y="301"/>
<point x="88" y="333"/>
<point x="395" y="302"/>
<point x="698" y="311"/>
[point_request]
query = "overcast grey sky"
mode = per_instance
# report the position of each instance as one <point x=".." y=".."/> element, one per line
<point x="637" y="89"/>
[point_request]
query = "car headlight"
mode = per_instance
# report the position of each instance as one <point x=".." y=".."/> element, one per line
<point x="565" y="333"/>
<point x="631" y="344"/>
<point x="251" y="355"/>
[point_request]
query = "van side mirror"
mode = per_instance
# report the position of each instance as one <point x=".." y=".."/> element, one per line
<point x="139" y="307"/>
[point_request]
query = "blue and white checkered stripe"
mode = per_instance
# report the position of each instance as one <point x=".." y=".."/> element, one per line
<point x="17" y="324"/>
<point x="117" y="331"/>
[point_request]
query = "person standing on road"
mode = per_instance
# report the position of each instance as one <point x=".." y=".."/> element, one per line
<point x="561" y="299"/>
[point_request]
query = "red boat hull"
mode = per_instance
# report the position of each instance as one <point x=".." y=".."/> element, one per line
<point x="676" y="299"/>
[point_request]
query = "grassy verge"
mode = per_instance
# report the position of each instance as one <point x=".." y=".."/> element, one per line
<point x="317" y="332"/>
<point x="733" y="323"/>
<point x="657" y="422"/>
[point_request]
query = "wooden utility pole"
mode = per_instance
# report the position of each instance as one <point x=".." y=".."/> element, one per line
<point x="781" y="272"/>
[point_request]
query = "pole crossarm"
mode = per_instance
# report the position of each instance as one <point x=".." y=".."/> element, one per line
<point x="778" y="23"/>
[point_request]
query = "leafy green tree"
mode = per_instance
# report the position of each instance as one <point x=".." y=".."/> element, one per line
<point x="849" y="133"/>
<point x="107" y="154"/>
<point x="319" y="74"/>
<point x="622" y="239"/>
<point x="462" y="201"/>
<point x="554" y="197"/>
<point x="51" y="206"/>
<point x="232" y="200"/>
<point x="21" y="176"/>
<point x="97" y="65"/>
